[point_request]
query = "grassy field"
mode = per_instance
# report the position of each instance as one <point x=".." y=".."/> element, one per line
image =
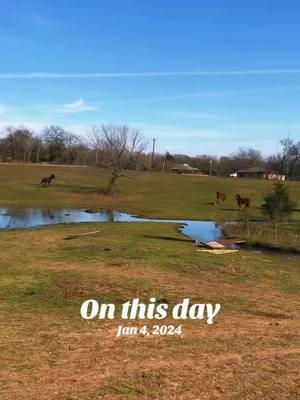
<point x="249" y="353"/>
<point x="48" y="352"/>
<point x="144" y="193"/>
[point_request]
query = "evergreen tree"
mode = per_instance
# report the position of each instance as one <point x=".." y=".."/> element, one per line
<point x="277" y="204"/>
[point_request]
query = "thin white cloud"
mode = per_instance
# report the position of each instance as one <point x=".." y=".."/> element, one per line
<point x="168" y="97"/>
<point x="146" y="74"/>
<point x="80" y="105"/>
<point x="154" y="99"/>
<point x="77" y="106"/>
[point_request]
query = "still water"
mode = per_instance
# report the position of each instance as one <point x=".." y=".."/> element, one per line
<point x="13" y="218"/>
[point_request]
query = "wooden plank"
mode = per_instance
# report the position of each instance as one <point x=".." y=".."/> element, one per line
<point x="217" y="251"/>
<point x="210" y="245"/>
<point x="232" y="241"/>
<point x="79" y="235"/>
<point x="220" y="244"/>
<point x="215" y="245"/>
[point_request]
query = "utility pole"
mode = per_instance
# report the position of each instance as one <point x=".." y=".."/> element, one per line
<point x="287" y="159"/>
<point x="210" y="166"/>
<point x="164" y="162"/>
<point x="153" y="152"/>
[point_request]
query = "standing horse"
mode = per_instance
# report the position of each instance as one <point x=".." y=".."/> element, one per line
<point x="221" y="197"/>
<point x="47" y="181"/>
<point x="242" y="201"/>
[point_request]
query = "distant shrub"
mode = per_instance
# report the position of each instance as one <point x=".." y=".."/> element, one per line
<point x="277" y="205"/>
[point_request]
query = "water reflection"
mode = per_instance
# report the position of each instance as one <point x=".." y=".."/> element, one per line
<point x="35" y="217"/>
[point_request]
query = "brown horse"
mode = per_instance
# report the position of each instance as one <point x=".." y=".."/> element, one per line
<point x="221" y="197"/>
<point x="47" y="181"/>
<point x="242" y="201"/>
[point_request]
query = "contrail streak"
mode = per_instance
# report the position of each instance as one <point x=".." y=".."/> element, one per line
<point x="150" y="74"/>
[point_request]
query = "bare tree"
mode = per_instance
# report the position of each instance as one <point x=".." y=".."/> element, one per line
<point x="4" y="147"/>
<point x="61" y="144"/>
<point x="290" y="157"/>
<point x="54" y="138"/>
<point x="17" y="145"/>
<point x="95" y="139"/>
<point x="120" y="146"/>
<point x="72" y="143"/>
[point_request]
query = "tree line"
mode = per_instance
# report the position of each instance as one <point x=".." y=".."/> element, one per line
<point x="285" y="162"/>
<point x="54" y="144"/>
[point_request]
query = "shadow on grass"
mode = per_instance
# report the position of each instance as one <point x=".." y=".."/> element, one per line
<point x="242" y="208"/>
<point x="83" y="189"/>
<point x="175" y="239"/>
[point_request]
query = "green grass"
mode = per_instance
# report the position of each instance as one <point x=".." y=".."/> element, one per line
<point x="143" y="193"/>
<point x="47" y="349"/>
<point x="28" y="280"/>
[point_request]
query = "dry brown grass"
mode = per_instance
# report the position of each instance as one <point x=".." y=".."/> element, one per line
<point x="47" y="352"/>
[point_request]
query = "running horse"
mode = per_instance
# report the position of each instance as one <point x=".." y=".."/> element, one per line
<point x="242" y="201"/>
<point x="47" y="181"/>
<point x="221" y="197"/>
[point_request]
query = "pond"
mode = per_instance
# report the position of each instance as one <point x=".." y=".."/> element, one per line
<point x="13" y="218"/>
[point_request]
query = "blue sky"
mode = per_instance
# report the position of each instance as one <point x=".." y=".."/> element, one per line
<point x="201" y="77"/>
